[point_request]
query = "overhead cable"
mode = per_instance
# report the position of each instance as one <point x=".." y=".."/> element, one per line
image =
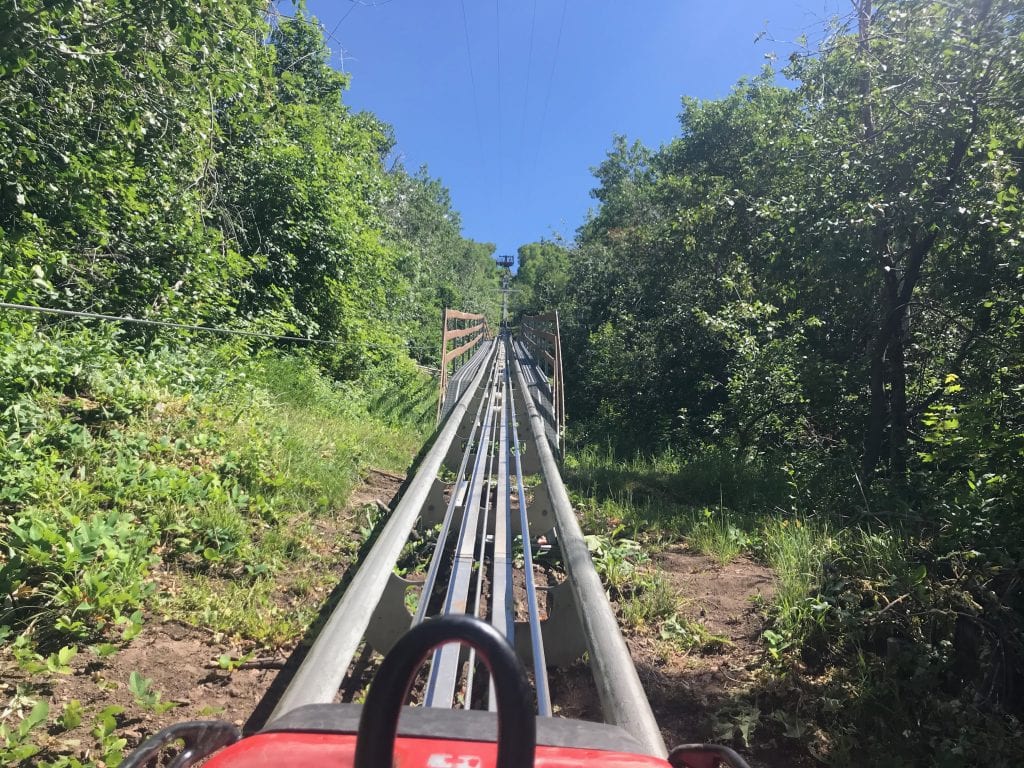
<point x="497" y="24"/>
<point x="526" y="96"/>
<point x="163" y="324"/>
<point x="551" y="77"/>
<point x="472" y="82"/>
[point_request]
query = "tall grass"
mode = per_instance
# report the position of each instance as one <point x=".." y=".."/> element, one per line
<point x="717" y="535"/>
<point x="325" y="433"/>
<point x="796" y="549"/>
<point x="710" y="478"/>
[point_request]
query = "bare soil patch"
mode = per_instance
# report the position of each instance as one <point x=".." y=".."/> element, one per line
<point x="700" y="695"/>
<point x="181" y="664"/>
<point x="377" y="486"/>
<point x="686" y="689"/>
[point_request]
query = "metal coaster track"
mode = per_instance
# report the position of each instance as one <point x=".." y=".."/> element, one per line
<point x="494" y="433"/>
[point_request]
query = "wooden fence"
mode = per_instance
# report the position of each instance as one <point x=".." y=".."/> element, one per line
<point x="456" y="326"/>
<point x="542" y="336"/>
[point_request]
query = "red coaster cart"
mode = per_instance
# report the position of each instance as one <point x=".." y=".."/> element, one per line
<point x="383" y="733"/>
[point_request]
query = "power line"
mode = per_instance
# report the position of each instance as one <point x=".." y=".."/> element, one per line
<point x="472" y="82"/>
<point x="497" y="24"/>
<point x="163" y="324"/>
<point x="551" y="77"/>
<point x="526" y="96"/>
<point x="330" y="35"/>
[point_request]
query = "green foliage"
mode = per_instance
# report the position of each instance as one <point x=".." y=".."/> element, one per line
<point x="440" y="267"/>
<point x="142" y="691"/>
<point x="71" y="716"/>
<point x="106" y="117"/>
<point x="541" y="278"/>
<point x="16" y="743"/>
<point x="230" y="664"/>
<point x="57" y="663"/>
<point x="686" y="635"/>
<point x="196" y="164"/>
<point x="716" y="536"/>
<point x="169" y="459"/>
<point x="805" y="312"/>
<point x="863" y="616"/>
<point x="797" y="550"/>
<point x="105" y="730"/>
<point x="618" y="561"/>
<point x="199" y="165"/>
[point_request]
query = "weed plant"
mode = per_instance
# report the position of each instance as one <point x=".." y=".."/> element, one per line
<point x="140" y="478"/>
<point x="716" y="535"/>
<point x="796" y="548"/>
<point x="884" y="644"/>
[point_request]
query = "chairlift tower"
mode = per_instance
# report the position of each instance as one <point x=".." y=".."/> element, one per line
<point x="505" y="262"/>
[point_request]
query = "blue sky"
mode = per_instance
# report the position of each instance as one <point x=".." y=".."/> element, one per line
<point x="513" y="121"/>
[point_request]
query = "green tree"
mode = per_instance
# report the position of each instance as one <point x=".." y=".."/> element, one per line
<point x="541" y="278"/>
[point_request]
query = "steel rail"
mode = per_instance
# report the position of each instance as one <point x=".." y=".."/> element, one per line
<point x="320" y="675"/>
<point x="502" y="613"/>
<point x="481" y="548"/>
<point x="444" y="669"/>
<point x="467" y="371"/>
<point x="501" y="582"/>
<point x="540" y="671"/>
<point x="623" y="700"/>
<point x="458" y="489"/>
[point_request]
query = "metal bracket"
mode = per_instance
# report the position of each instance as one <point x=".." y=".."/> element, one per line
<point x="564" y="641"/>
<point x="529" y="458"/>
<point x="391" y="618"/>
<point x="540" y="513"/>
<point x="434" y="507"/>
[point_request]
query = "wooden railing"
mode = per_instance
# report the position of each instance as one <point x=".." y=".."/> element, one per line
<point x="455" y="326"/>
<point x="542" y="336"/>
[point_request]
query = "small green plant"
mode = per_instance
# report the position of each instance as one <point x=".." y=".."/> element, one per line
<point x="736" y="723"/>
<point x="104" y="649"/>
<point x="777" y="643"/>
<point x="688" y="635"/>
<point x="616" y="560"/>
<point x="57" y="663"/>
<point x="144" y="695"/>
<point x="651" y="601"/>
<point x="111" y="745"/>
<point x="231" y="663"/>
<point x="16" y="743"/>
<point x="71" y="717"/>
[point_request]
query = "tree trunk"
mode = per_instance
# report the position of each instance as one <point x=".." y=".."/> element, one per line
<point x="897" y="403"/>
<point x="878" y="411"/>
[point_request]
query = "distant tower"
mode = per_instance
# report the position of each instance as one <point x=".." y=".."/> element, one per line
<point x="505" y="262"/>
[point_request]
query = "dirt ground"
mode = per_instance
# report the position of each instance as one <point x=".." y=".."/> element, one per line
<point x="683" y="688"/>
<point x="698" y="696"/>
<point x="695" y="695"/>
